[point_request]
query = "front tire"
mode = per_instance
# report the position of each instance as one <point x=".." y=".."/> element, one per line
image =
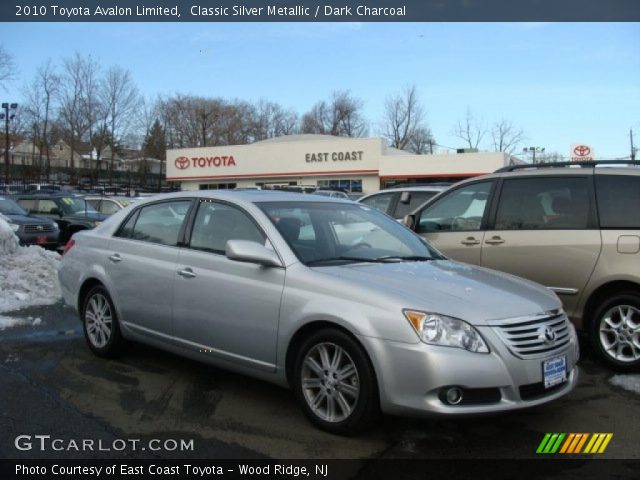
<point x="100" y="323"/>
<point x="615" y="331"/>
<point x="335" y="383"/>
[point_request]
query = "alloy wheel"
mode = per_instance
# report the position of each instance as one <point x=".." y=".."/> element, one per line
<point x="620" y="333"/>
<point x="330" y="382"/>
<point x="99" y="320"/>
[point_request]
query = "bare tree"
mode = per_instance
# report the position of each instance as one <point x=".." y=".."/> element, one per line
<point x="470" y="130"/>
<point x="421" y="141"/>
<point x="272" y="120"/>
<point x="550" y="157"/>
<point x="7" y="67"/>
<point x="341" y="116"/>
<point x="94" y="112"/>
<point x="404" y="123"/>
<point x="506" y="136"/>
<point x="120" y="97"/>
<point x="72" y="116"/>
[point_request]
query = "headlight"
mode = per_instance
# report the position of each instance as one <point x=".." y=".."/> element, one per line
<point x="436" y="329"/>
<point x="95" y="224"/>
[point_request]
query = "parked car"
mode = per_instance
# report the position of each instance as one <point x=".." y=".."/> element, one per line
<point x="30" y="230"/>
<point x="332" y="194"/>
<point x="71" y="212"/>
<point x="399" y="202"/>
<point x="354" y="196"/>
<point x="109" y="205"/>
<point x="575" y="230"/>
<point x="273" y="285"/>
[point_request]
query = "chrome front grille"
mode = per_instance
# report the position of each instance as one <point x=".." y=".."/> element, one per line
<point x="535" y="336"/>
<point x="44" y="228"/>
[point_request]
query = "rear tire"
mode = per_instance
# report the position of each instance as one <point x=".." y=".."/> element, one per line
<point x="335" y="383"/>
<point x="100" y="323"/>
<point x="615" y="331"/>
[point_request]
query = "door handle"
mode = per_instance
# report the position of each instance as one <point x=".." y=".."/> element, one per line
<point x="115" y="258"/>
<point x="186" y="273"/>
<point x="494" y="241"/>
<point x="470" y="241"/>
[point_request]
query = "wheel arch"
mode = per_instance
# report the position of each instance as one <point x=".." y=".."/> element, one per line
<point x="86" y="286"/>
<point x="601" y="293"/>
<point x="304" y="331"/>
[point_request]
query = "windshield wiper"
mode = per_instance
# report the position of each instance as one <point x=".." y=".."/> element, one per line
<point x="342" y="258"/>
<point x="403" y="258"/>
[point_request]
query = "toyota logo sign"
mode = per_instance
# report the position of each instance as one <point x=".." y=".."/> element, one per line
<point x="182" y="163"/>
<point x="581" y="150"/>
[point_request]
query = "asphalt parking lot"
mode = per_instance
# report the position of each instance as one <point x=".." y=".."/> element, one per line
<point x="52" y="384"/>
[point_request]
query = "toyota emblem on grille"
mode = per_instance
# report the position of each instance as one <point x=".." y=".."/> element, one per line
<point x="40" y="227"/>
<point x="548" y="335"/>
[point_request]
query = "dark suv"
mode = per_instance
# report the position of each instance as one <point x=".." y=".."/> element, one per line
<point x="71" y="213"/>
<point x="30" y="230"/>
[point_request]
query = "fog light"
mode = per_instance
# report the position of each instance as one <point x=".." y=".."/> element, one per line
<point x="453" y="396"/>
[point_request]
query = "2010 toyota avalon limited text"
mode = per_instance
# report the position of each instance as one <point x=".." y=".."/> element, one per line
<point x="334" y="299"/>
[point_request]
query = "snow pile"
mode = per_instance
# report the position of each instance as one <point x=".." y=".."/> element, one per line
<point x="628" y="382"/>
<point x="6" y="322"/>
<point x="28" y="275"/>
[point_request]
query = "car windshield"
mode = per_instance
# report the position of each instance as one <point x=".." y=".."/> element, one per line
<point x="327" y="233"/>
<point x="75" y="205"/>
<point x="9" y="207"/>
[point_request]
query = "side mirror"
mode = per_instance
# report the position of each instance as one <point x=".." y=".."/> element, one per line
<point x="251" y="252"/>
<point x="55" y="211"/>
<point x="410" y="221"/>
<point x="405" y="197"/>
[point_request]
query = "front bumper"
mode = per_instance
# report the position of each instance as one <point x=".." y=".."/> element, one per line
<point x="412" y="377"/>
<point x="45" y="239"/>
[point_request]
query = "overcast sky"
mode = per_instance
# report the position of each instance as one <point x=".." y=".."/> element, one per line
<point x="561" y="83"/>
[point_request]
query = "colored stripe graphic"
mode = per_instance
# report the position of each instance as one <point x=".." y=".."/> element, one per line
<point x="550" y="443"/>
<point x="574" y="443"/>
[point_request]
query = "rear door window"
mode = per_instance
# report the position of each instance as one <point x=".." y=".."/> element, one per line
<point x="618" y="201"/>
<point x="544" y="203"/>
<point x="417" y="199"/>
<point x="47" y="206"/>
<point x="109" y="207"/>
<point x="161" y="222"/>
<point x="380" y="202"/>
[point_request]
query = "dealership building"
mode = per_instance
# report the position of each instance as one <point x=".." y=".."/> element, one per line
<point x="349" y="164"/>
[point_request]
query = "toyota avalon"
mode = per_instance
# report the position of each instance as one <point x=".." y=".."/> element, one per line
<point x="336" y="300"/>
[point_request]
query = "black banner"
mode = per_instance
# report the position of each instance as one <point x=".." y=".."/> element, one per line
<point x="320" y="11"/>
<point x="377" y="469"/>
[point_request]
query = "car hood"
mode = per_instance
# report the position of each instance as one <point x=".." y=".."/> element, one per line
<point x="27" y="220"/>
<point x="470" y="293"/>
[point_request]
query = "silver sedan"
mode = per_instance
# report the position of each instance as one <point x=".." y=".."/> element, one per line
<point x="335" y="300"/>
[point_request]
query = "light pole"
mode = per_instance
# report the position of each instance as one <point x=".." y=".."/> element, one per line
<point x="533" y="150"/>
<point x="7" y="117"/>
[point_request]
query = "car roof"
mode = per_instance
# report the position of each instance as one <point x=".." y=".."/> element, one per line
<point x="249" y="196"/>
<point x="49" y="195"/>
<point x="555" y="172"/>
<point x="435" y="188"/>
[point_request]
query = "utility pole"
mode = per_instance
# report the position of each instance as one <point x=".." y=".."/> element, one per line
<point x="7" y="117"/>
<point x="633" y="149"/>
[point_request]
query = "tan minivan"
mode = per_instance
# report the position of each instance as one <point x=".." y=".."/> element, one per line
<point x="574" y="228"/>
